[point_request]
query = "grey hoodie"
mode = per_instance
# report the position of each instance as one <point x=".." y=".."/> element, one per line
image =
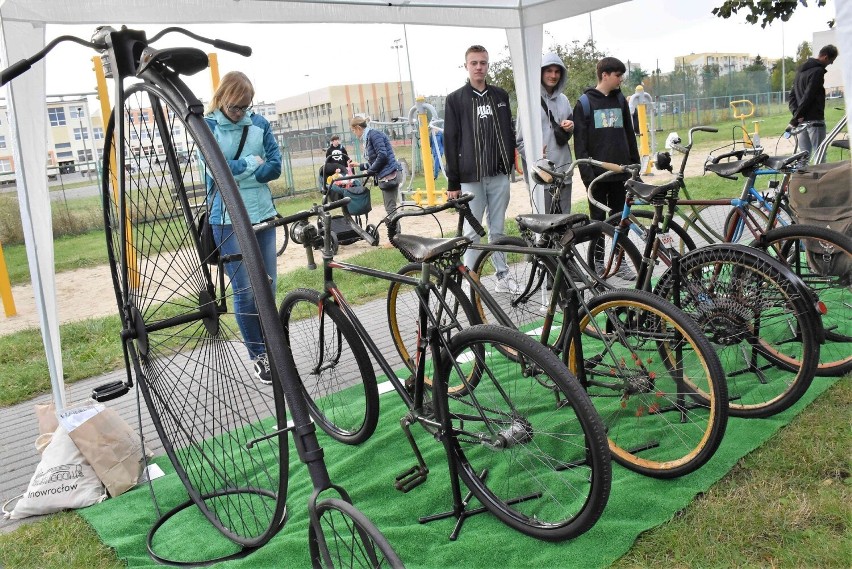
<point x="561" y="109"/>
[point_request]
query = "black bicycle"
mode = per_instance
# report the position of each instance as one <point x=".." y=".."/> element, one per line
<point x="518" y="431"/>
<point x="225" y="435"/>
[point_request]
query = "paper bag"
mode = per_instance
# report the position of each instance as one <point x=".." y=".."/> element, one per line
<point x="63" y="480"/>
<point x="113" y="449"/>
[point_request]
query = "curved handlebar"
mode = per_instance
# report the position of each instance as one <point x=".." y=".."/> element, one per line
<point x="459" y="203"/>
<point x="100" y="43"/>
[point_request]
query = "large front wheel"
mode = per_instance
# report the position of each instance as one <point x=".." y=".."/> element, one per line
<point x="527" y="440"/>
<point x="180" y="315"/>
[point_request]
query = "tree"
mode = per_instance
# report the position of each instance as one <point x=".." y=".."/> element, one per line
<point x="803" y="52"/>
<point x="765" y="9"/>
<point x="709" y="73"/>
<point x="775" y="82"/>
<point x="636" y="76"/>
<point x="580" y="60"/>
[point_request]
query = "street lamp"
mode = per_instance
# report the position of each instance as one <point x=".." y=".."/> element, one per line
<point x="83" y="137"/>
<point x="397" y="45"/>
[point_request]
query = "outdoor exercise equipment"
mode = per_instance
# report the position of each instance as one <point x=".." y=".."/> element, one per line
<point x="6" y="288"/>
<point x="750" y="139"/>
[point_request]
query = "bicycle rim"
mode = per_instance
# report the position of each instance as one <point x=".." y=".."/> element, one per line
<point x="823" y="260"/>
<point x="655" y="381"/>
<point x="217" y="425"/>
<point x="761" y="325"/>
<point x="347" y="538"/>
<point x="527" y="440"/>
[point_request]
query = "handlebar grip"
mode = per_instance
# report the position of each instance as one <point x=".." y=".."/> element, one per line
<point x="612" y="167"/>
<point x="706" y="128"/>
<point x="471" y="219"/>
<point x="14" y="70"/>
<point x="243" y="50"/>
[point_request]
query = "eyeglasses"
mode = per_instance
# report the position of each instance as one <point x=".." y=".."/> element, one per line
<point x="238" y="108"/>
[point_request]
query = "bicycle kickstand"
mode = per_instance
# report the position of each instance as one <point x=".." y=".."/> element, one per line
<point x="416" y="475"/>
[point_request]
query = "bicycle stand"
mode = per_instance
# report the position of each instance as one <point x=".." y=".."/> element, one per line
<point x="460" y="511"/>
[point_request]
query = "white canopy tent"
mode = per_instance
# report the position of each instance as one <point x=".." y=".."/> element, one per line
<point x="22" y="30"/>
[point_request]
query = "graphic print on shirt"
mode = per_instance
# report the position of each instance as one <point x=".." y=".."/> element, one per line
<point x="608" y="118"/>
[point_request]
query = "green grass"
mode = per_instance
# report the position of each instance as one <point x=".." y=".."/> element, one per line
<point x="784" y="505"/>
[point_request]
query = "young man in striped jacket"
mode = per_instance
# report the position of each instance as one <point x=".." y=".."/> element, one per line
<point x="479" y="145"/>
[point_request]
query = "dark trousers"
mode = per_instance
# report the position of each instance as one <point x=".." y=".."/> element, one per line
<point x="610" y="194"/>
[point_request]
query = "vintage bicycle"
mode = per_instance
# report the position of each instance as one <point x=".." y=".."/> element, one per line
<point x="651" y="375"/>
<point x="519" y="432"/>
<point x="225" y="435"/>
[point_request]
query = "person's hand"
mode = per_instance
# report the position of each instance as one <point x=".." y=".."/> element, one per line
<point x="567" y="125"/>
<point x="259" y="160"/>
<point x="453" y="194"/>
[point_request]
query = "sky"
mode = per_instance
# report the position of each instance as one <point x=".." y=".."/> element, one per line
<point x="290" y="59"/>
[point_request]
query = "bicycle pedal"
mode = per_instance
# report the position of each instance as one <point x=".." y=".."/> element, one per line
<point x="411" y="478"/>
<point x="109" y="391"/>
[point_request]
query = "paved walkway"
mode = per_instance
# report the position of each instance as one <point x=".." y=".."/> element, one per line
<point x="19" y="458"/>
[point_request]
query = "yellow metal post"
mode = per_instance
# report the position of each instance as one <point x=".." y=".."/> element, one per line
<point x="106" y="110"/>
<point x="213" y="59"/>
<point x="6" y="288"/>
<point x="426" y="153"/>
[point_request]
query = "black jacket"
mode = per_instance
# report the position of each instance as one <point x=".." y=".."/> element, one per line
<point x="807" y="97"/>
<point x="463" y="164"/>
<point x="606" y="135"/>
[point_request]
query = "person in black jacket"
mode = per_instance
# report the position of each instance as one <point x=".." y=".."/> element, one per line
<point x="605" y="132"/>
<point x="479" y="146"/>
<point x="807" y="98"/>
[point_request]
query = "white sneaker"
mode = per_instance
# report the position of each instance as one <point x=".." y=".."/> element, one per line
<point x="261" y="369"/>
<point x="506" y="283"/>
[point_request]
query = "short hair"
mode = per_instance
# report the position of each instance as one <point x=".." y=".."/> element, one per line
<point x="474" y="49"/>
<point x="609" y="65"/>
<point x="334" y="137"/>
<point x="829" y="51"/>
<point x="234" y="86"/>
<point x="358" y="121"/>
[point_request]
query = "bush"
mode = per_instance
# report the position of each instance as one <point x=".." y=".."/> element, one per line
<point x="65" y="222"/>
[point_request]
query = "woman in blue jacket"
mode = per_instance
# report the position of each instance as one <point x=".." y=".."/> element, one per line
<point x="254" y="163"/>
<point x="381" y="162"/>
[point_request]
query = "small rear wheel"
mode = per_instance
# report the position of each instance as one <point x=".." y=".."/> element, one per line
<point x="344" y="537"/>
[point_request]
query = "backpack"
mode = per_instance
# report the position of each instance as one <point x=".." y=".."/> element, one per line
<point x="587" y="107"/>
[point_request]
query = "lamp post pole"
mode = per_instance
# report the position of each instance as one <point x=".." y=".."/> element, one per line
<point x="83" y="138"/>
<point x="397" y="45"/>
<point x="310" y="136"/>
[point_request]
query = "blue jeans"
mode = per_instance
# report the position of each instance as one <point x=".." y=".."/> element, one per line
<point x="811" y="138"/>
<point x="244" y="307"/>
<point x="491" y="194"/>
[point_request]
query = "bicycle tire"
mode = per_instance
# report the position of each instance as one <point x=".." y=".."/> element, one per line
<point x="216" y="425"/>
<point x="341" y="391"/>
<point x="822" y="258"/>
<point x="757" y="317"/>
<point x="526" y="307"/>
<point x="285" y="232"/>
<point x="511" y="440"/>
<point x="349" y="539"/>
<point x="654" y="379"/>
<point x="403" y="310"/>
<point x="607" y="261"/>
